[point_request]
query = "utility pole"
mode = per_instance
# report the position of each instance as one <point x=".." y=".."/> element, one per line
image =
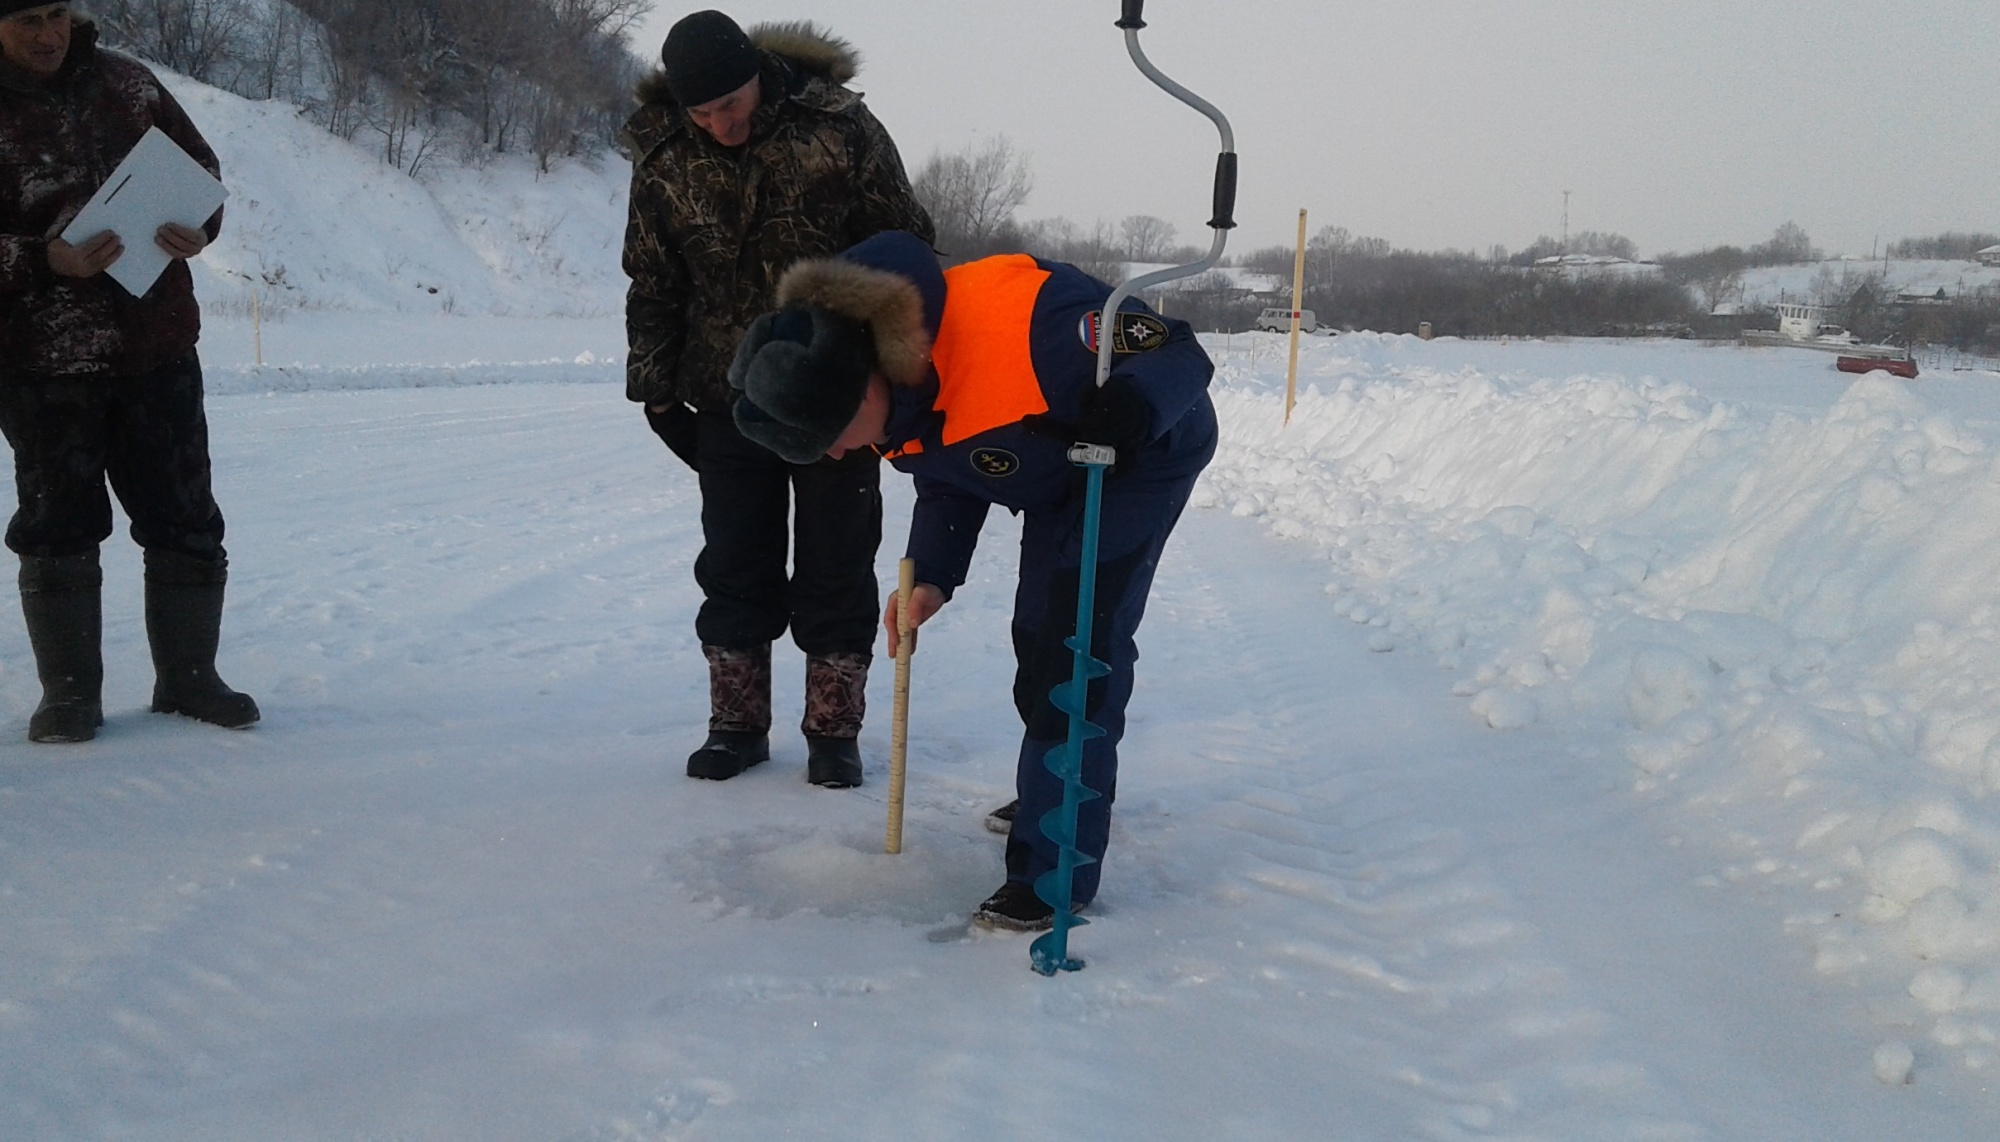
<point x="1564" y="248"/>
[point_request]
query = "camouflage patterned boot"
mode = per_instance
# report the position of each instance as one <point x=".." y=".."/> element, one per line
<point x="836" y="699"/>
<point x="739" y="712"/>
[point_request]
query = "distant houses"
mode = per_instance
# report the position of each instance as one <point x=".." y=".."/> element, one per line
<point x="1593" y="263"/>
<point x="1554" y="261"/>
<point x="1990" y="256"/>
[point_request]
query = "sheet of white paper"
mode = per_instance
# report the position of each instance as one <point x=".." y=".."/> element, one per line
<point x="157" y="183"/>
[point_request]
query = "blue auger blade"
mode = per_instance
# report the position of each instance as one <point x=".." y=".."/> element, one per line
<point x="1059" y="824"/>
<point x="1095" y="667"/>
<point x="1061" y="699"/>
<point x="1050" y="953"/>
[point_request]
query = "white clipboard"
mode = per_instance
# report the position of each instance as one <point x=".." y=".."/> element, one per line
<point x="156" y="183"/>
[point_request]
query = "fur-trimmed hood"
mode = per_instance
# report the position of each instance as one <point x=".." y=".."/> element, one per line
<point x="802" y="45"/>
<point x="892" y="284"/>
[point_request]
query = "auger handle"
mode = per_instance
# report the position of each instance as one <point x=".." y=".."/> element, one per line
<point x="1224" y="202"/>
<point x="1225" y="191"/>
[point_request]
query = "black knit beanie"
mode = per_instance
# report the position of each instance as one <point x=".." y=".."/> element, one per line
<point x="707" y="56"/>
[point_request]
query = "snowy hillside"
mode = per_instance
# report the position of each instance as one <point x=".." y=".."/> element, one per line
<point x="314" y="222"/>
<point x="1768" y="285"/>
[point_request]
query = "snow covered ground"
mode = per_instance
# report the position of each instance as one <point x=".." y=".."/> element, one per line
<point x="1725" y="870"/>
<point x="1552" y="740"/>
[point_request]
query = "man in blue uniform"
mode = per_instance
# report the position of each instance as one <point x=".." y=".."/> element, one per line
<point x="975" y="380"/>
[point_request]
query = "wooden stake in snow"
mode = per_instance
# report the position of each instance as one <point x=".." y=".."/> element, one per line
<point x="899" y="733"/>
<point x="1298" y="291"/>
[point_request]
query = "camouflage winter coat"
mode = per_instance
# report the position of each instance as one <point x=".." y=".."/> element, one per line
<point x="713" y="227"/>
<point x="58" y="141"/>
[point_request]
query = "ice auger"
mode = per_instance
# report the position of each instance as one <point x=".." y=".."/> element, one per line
<point x="1050" y="953"/>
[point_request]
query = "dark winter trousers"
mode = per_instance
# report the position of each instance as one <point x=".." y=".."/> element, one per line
<point x="1139" y="510"/>
<point x="753" y="506"/>
<point x="147" y="435"/>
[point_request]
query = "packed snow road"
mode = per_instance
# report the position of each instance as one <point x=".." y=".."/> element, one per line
<point x="454" y="885"/>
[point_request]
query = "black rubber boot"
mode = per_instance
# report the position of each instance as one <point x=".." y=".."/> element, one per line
<point x="833" y="763"/>
<point x="727" y="753"/>
<point x="184" y="627"/>
<point x="836" y="701"/>
<point x="1001" y="820"/>
<point x="62" y="600"/>
<point x="1014" y="907"/>
<point x="739" y="712"/>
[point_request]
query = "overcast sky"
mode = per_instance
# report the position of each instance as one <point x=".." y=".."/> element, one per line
<point x="1454" y="123"/>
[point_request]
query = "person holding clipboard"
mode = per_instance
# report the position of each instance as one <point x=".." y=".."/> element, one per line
<point x="98" y="385"/>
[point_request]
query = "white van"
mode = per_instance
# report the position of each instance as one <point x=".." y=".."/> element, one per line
<point x="1280" y="321"/>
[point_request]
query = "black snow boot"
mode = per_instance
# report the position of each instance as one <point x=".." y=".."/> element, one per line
<point x="184" y="627"/>
<point x="1001" y="820"/>
<point x="833" y="763"/>
<point x="739" y="717"/>
<point x="62" y="600"/>
<point x="1014" y="907"/>
<point x="727" y="753"/>
<point x="836" y="700"/>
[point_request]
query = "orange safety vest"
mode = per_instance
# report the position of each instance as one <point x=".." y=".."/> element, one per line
<point x="986" y="371"/>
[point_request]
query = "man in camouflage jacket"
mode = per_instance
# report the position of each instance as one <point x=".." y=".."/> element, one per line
<point x="748" y="154"/>
<point x="96" y="384"/>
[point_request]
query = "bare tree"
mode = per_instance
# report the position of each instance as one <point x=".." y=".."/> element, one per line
<point x="1718" y="285"/>
<point x="1051" y="238"/>
<point x="1789" y="245"/>
<point x="1146" y="238"/>
<point x="475" y="77"/>
<point x="193" y="37"/>
<point x="1324" y="251"/>
<point x="274" y="54"/>
<point x="973" y="194"/>
<point x="1604" y="244"/>
<point x="585" y="19"/>
<point x="1949" y="245"/>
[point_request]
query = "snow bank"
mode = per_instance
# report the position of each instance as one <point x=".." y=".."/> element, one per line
<point x="1789" y="617"/>
<point x="232" y="380"/>
<point x="315" y="222"/>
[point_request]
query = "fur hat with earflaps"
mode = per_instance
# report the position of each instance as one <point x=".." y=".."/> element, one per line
<point x="804" y="370"/>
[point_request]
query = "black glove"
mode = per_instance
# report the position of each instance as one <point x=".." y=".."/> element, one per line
<point x="676" y="426"/>
<point x="1118" y="416"/>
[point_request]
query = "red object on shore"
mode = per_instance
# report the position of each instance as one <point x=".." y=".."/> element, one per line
<point x="1901" y="366"/>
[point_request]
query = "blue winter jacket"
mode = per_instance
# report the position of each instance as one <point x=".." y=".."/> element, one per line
<point x="1015" y="357"/>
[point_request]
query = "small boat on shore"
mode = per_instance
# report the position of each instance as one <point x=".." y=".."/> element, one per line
<point x="1900" y="366"/>
<point x="1805" y="327"/>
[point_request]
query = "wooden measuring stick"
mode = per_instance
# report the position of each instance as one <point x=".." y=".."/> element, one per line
<point x="899" y="734"/>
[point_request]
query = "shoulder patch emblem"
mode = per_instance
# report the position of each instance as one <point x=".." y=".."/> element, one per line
<point x="995" y="462"/>
<point x="1131" y="333"/>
